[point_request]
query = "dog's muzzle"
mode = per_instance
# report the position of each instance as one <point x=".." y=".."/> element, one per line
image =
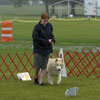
<point x="58" y="68"/>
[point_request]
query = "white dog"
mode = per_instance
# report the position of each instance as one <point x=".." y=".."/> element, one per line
<point x="54" y="67"/>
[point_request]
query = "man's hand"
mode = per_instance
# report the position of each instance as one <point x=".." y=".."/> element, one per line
<point x="50" y="41"/>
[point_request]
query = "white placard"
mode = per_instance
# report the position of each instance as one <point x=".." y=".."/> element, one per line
<point x="71" y="91"/>
<point x="24" y="76"/>
<point x="92" y="7"/>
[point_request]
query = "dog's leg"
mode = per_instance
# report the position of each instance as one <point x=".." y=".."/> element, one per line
<point x="59" y="79"/>
<point x="50" y="79"/>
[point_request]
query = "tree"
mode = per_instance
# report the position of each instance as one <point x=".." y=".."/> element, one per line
<point x="5" y="2"/>
<point x="47" y="2"/>
<point x="73" y="6"/>
<point x="53" y="6"/>
<point x="18" y="3"/>
<point x="46" y="6"/>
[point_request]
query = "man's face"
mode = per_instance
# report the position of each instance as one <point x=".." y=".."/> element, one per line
<point x="44" y="22"/>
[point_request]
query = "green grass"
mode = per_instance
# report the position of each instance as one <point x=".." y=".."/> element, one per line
<point x="21" y="11"/>
<point x="89" y="89"/>
<point x="77" y="33"/>
<point x="67" y="33"/>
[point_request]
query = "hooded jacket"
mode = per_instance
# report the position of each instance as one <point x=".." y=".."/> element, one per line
<point x="40" y="36"/>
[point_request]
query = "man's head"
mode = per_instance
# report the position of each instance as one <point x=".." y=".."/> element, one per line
<point x="44" y="19"/>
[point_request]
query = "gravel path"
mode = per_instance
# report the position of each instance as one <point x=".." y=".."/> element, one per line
<point x="66" y="48"/>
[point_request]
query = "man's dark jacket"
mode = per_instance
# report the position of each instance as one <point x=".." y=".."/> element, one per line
<point x="41" y="35"/>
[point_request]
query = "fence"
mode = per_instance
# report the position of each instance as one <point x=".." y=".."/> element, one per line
<point x="83" y="63"/>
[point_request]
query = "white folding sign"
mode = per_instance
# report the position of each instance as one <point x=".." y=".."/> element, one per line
<point x="24" y="76"/>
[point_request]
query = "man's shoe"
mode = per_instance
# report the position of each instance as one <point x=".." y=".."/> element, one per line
<point x="42" y="84"/>
<point x="36" y="81"/>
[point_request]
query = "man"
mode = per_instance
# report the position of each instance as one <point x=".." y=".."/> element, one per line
<point x="43" y="39"/>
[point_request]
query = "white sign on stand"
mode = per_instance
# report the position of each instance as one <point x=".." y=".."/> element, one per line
<point x="24" y="76"/>
<point x="63" y="70"/>
<point x="98" y="8"/>
<point x="92" y="7"/>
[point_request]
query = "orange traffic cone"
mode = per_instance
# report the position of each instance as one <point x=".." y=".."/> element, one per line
<point x="6" y="31"/>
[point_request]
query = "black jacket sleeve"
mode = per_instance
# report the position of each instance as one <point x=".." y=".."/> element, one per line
<point x="52" y="35"/>
<point x="36" y="36"/>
